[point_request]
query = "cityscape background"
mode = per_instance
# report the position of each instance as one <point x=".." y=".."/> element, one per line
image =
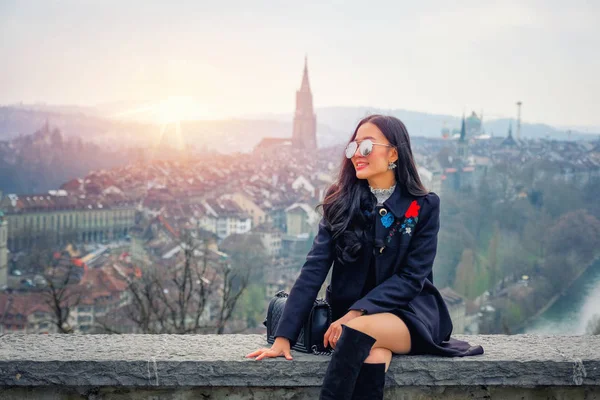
<point x="160" y="164"/>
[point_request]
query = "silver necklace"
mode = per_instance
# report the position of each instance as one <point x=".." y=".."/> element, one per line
<point x="382" y="194"/>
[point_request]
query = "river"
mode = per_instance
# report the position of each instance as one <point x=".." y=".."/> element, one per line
<point x="571" y="313"/>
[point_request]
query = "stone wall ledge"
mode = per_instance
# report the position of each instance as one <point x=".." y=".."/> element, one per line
<point x="151" y="362"/>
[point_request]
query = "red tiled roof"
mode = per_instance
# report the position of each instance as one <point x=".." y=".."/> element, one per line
<point x="168" y="226"/>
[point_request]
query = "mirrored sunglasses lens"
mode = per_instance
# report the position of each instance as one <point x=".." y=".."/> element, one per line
<point x="350" y="149"/>
<point x="366" y="146"/>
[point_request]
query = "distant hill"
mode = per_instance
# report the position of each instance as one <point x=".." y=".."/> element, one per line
<point x="226" y="136"/>
<point x="345" y="119"/>
<point x="24" y="120"/>
<point x="334" y="125"/>
<point x="243" y="134"/>
<point x="45" y="159"/>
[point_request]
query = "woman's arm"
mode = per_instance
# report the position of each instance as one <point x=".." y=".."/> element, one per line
<point x="400" y="288"/>
<point x="305" y="289"/>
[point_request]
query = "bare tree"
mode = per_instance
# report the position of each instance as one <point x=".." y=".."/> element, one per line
<point x="180" y="298"/>
<point x="233" y="287"/>
<point x="248" y="260"/>
<point x="62" y="293"/>
<point x="60" y="290"/>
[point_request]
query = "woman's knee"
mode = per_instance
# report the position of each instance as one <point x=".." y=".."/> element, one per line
<point x="390" y="331"/>
<point x="359" y="323"/>
<point x="379" y="355"/>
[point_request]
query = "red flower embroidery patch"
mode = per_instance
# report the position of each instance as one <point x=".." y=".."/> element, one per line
<point x="413" y="210"/>
<point x="406" y="226"/>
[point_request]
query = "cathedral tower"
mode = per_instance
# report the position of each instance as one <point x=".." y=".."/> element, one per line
<point x="304" y="135"/>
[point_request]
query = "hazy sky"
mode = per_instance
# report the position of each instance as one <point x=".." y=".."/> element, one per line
<point x="246" y="57"/>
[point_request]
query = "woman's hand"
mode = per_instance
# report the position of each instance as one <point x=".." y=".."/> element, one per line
<point x="281" y="346"/>
<point x="335" y="329"/>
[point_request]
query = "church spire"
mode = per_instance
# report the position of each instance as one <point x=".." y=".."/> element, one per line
<point x="304" y="134"/>
<point x="463" y="130"/>
<point x="305" y="86"/>
<point x="509" y="140"/>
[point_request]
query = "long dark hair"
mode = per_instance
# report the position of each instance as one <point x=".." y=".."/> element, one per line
<point x="348" y="197"/>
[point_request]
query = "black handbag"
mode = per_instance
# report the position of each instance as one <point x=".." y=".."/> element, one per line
<point x="310" y="339"/>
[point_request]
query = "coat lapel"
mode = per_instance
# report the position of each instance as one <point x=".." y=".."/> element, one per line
<point x="397" y="204"/>
<point x="399" y="201"/>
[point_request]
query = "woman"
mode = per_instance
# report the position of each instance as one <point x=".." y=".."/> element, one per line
<point x="379" y="229"/>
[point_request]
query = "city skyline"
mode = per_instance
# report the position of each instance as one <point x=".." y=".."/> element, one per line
<point x="235" y="61"/>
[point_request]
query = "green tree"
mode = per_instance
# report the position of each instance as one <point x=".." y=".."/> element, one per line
<point x="493" y="258"/>
<point x="252" y="306"/>
<point x="575" y="235"/>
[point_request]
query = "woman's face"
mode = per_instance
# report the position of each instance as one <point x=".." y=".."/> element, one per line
<point x="376" y="163"/>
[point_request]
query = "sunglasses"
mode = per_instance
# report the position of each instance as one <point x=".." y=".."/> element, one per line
<point x="365" y="147"/>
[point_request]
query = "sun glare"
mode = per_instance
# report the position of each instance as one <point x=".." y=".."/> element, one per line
<point x="172" y="109"/>
<point x="177" y="108"/>
<point x="169" y="113"/>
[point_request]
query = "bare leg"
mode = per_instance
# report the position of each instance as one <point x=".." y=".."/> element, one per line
<point x="391" y="333"/>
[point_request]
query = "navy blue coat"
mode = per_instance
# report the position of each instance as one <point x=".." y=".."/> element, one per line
<point x="404" y="252"/>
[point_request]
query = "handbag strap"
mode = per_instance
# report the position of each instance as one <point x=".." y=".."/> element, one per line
<point x="321" y="353"/>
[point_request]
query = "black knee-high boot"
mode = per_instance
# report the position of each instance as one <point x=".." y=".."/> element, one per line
<point x="370" y="382"/>
<point x="351" y="350"/>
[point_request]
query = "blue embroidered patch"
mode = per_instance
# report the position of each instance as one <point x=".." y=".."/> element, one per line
<point x="410" y="225"/>
<point x="387" y="220"/>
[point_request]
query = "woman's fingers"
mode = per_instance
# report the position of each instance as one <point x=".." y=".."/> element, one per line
<point x="288" y="354"/>
<point x="332" y="334"/>
<point x="326" y="336"/>
<point x="257" y="352"/>
<point x="334" y="338"/>
<point x="268" y="353"/>
<point x="264" y="352"/>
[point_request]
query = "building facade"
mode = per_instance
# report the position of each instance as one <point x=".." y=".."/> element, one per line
<point x="58" y="218"/>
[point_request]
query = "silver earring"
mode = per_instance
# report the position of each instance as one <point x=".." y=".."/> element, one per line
<point x="391" y="165"/>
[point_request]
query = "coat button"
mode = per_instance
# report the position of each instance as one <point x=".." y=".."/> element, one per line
<point x="382" y="212"/>
<point x="381" y="249"/>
